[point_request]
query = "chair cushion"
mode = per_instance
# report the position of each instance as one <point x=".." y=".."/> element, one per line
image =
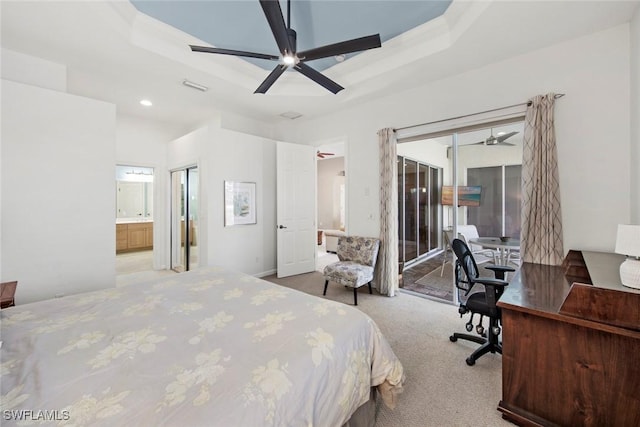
<point x="348" y="273"/>
<point x="477" y="303"/>
<point x="363" y="250"/>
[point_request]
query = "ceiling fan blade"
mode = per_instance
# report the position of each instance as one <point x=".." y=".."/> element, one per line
<point x="505" y="136"/>
<point x="207" y="49"/>
<point x="271" y="78"/>
<point x="322" y="80"/>
<point x="349" y="46"/>
<point x="506" y="143"/>
<point x="273" y="13"/>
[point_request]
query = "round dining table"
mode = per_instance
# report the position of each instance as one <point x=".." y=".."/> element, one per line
<point x="504" y="247"/>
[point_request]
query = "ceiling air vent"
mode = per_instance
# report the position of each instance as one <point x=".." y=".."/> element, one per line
<point x="291" y="115"/>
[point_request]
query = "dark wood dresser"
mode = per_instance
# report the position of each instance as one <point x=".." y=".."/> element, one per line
<point x="7" y="294"/>
<point x="570" y="350"/>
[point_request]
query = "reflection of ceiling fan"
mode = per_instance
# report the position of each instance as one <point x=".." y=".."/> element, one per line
<point x="286" y="40"/>
<point x="323" y="155"/>
<point x="495" y="140"/>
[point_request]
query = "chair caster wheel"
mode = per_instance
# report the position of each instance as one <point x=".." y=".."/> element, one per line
<point x="453" y="338"/>
<point x="470" y="361"/>
<point x="496" y="330"/>
<point x="469" y="327"/>
<point x="480" y="330"/>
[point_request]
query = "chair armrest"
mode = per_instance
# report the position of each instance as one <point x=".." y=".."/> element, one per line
<point x="494" y="267"/>
<point x="499" y="270"/>
<point x="496" y="283"/>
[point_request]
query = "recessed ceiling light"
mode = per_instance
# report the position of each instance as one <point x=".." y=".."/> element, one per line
<point x="146" y="103"/>
<point x="339" y="58"/>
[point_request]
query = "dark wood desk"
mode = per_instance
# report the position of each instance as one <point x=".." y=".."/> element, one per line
<point x="571" y="352"/>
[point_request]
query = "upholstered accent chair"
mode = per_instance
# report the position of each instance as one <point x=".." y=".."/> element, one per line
<point x="357" y="260"/>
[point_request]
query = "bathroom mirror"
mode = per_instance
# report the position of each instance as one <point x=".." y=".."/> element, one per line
<point x="134" y="193"/>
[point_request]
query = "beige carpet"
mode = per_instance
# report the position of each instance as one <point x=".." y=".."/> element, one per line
<point x="440" y="389"/>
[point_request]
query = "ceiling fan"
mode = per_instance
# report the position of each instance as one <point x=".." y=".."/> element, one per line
<point x="289" y="56"/>
<point x="495" y="140"/>
<point x="323" y="155"/>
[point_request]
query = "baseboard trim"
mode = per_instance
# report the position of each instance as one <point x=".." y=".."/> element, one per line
<point x="266" y="273"/>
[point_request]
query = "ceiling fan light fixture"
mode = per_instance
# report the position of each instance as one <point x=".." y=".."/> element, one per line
<point x="286" y="39"/>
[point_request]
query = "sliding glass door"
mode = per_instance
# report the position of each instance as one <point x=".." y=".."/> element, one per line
<point x="499" y="214"/>
<point x="184" y="219"/>
<point x="419" y="212"/>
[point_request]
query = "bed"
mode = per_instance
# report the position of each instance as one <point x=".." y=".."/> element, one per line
<point x="208" y="347"/>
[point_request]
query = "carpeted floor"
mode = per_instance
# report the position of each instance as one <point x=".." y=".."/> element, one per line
<point x="440" y="389"/>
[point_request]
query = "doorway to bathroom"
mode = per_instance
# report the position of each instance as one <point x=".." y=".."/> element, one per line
<point x="134" y="219"/>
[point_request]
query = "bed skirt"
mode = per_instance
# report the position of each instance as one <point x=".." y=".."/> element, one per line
<point x="365" y="415"/>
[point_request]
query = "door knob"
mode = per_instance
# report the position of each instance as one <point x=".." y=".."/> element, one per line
<point x="281" y="227"/>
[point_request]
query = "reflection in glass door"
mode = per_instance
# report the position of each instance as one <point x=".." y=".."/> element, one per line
<point x="184" y="219"/>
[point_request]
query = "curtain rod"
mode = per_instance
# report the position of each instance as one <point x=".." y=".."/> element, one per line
<point x="528" y="103"/>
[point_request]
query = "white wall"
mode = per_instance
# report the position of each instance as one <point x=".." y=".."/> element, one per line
<point x="221" y="155"/>
<point x="58" y="192"/>
<point x="592" y="128"/>
<point x="635" y="117"/>
<point x="21" y="68"/>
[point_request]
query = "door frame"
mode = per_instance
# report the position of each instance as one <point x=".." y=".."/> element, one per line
<point x="187" y="233"/>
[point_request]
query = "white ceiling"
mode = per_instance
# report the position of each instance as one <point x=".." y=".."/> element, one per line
<point x="117" y="54"/>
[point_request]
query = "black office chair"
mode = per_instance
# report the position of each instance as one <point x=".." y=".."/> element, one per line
<point x="481" y="302"/>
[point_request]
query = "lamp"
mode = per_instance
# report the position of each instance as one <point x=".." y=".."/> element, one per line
<point x="628" y="243"/>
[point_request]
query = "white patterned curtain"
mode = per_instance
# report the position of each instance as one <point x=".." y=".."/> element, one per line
<point x="386" y="275"/>
<point x="541" y="237"/>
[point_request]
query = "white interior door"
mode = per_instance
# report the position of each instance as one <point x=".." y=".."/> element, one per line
<point x="296" y="216"/>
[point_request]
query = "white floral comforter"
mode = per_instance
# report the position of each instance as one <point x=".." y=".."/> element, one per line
<point x="209" y="347"/>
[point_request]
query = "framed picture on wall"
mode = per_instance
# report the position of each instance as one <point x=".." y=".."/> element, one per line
<point x="239" y="203"/>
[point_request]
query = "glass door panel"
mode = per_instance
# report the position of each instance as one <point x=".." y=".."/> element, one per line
<point x="499" y="210"/>
<point x="419" y="209"/>
<point x="435" y="223"/>
<point x="410" y="210"/>
<point x="423" y="209"/>
<point x="401" y="256"/>
<point x="488" y="216"/>
<point x="192" y="213"/>
<point x="184" y="219"/>
<point x="178" y="189"/>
